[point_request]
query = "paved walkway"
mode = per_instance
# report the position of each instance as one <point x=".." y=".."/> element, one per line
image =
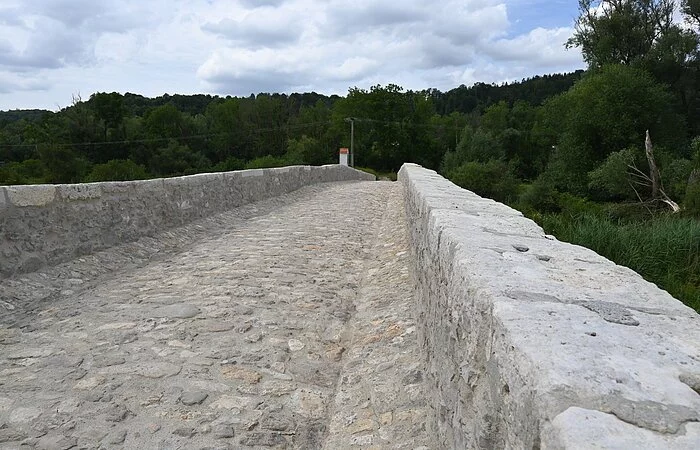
<point x="287" y="324"/>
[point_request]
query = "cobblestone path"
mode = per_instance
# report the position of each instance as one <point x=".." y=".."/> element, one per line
<point x="287" y="324"/>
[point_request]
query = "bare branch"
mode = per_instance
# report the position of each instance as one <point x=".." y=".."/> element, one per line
<point x="640" y="199"/>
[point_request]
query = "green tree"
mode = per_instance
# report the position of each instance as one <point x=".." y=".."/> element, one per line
<point x="30" y="171"/>
<point x="607" y="111"/>
<point x="496" y="118"/>
<point x="612" y="176"/>
<point x="307" y="150"/>
<point x="177" y="159"/>
<point x="492" y="179"/>
<point x="164" y="122"/>
<point x="621" y="31"/>
<point x="109" y="110"/>
<point x="268" y="161"/>
<point x="643" y="34"/>
<point x="62" y="164"/>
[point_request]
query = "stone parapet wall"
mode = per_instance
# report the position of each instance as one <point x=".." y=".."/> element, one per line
<point x="49" y="224"/>
<point x="535" y="343"/>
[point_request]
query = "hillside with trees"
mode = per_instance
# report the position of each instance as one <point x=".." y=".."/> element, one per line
<point x="569" y="150"/>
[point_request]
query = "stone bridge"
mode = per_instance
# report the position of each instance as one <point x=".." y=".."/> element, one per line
<point x="309" y="307"/>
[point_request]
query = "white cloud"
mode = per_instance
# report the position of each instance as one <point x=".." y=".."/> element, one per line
<point x="242" y="46"/>
<point x="540" y="46"/>
<point x="262" y="27"/>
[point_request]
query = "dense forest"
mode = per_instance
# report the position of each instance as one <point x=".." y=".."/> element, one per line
<point x="113" y="136"/>
<point x="569" y="150"/>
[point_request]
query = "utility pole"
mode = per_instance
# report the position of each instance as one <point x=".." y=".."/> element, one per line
<point x="352" y="140"/>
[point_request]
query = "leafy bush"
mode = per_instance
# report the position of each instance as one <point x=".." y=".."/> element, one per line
<point x="117" y="170"/>
<point x="675" y="176"/>
<point x="230" y="164"/>
<point x="491" y="179"/>
<point x="574" y="206"/>
<point x="178" y="159"/>
<point x="540" y="196"/>
<point x="611" y="176"/>
<point x="268" y="161"/>
<point x="30" y="171"/>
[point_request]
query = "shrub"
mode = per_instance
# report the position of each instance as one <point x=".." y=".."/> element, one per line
<point x="611" y="176"/>
<point x="268" y="161"/>
<point x="117" y="170"/>
<point x="30" y="171"/>
<point x="540" y="196"/>
<point x="491" y="179"/>
<point x="231" y="163"/>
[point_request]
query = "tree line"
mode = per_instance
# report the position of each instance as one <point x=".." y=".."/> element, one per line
<point x="113" y="136"/>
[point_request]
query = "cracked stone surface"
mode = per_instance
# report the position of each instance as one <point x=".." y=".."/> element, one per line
<point x="265" y="326"/>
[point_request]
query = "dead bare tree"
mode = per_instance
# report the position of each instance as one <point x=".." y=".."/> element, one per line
<point x="653" y="180"/>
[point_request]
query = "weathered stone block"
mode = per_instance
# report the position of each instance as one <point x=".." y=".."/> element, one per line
<point x="86" y="191"/>
<point x="252" y="173"/>
<point x="39" y="195"/>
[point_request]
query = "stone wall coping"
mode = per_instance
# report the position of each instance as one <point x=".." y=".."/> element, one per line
<point x="551" y="345"/>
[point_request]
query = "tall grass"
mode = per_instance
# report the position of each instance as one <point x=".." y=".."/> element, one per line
<point x="664" y="250"/>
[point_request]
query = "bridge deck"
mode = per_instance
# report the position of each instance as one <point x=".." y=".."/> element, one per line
<point x="287" y="323"/>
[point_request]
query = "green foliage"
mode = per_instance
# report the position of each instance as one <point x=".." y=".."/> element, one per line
<point x="230" y="164"/>
<point x="177" y="159"/>
<point x="307" y="150"/>
<point x="62" y="164"/>
<point x="607" y="111"/>
<point x="540" y="196"/>
<point x="492" y="179"/>
<point x="692" y="197"/>
<point x="691" y="201"/>
<point x="109" y="108"/>
<point x="389" y="127"/>
<point x="611" y="177"/>
<point x="30" y="171"/>
<point x="675" y="174"/>
<point x="164" y="122"/>
<point x="117" y="170"/>
<point x="622" y="32"/>
<point x="477" y="98"/>
<point x="664" y="250"/>
<point x="496" y="117"/>
<point x="267" y="161"/>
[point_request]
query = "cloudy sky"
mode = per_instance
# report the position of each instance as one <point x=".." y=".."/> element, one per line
<point x="53" y="49"/>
